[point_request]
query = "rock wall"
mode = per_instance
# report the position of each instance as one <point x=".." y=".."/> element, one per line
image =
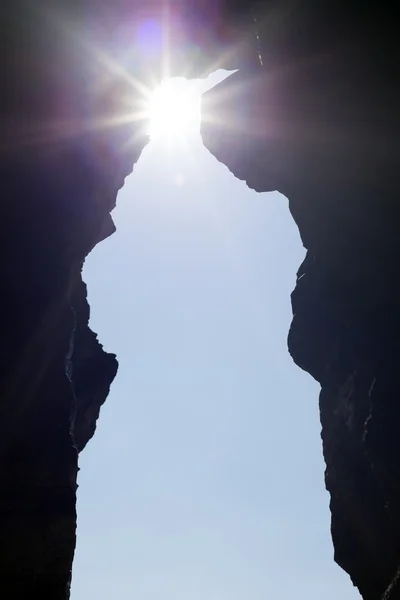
<point x="60" y="170"/>
<point x="317" y="119"/>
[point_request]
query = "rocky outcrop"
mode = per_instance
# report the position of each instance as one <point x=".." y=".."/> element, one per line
<point x="317" y="119"/>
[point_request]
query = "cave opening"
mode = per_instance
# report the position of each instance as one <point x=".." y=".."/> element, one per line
<point x="205" y="477"/>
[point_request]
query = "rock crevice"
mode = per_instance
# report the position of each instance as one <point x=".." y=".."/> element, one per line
<point x="311" y="112"/>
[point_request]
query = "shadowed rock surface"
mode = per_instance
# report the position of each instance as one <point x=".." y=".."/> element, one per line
<point x="313" y="113"/>
<point x="318" y="121"/>
<point x="60" y="172"/>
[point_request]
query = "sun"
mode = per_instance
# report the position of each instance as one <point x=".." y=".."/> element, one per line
<point x="173" y="111"/>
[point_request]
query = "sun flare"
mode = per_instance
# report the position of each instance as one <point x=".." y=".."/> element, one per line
<point x="173" y="111"/>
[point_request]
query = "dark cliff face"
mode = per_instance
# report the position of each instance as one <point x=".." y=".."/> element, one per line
<point x="314" y="107"/>
<point x="318" y="121"/>
<point x="60" y="173"/>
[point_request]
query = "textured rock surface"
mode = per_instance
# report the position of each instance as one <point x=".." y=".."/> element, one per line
<point x="312" y="112"/>
<point x="318" y="121"/>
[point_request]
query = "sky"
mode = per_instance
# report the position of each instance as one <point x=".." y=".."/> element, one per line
<point x="205" y="479"/>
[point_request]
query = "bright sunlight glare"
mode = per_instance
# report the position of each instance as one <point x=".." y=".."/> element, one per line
<point x="173" y="111"/>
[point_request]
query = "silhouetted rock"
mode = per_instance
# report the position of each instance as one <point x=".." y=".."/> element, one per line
<point x="60" y="169"/>
<point x="318" y="121"/>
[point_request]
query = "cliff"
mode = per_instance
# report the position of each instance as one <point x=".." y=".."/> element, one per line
<point x="60" y="173"/>
<point x="317" y="119"/>
<point x="312" y="112"/>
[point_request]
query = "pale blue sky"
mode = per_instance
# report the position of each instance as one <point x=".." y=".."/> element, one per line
<point x="204" y="480"/>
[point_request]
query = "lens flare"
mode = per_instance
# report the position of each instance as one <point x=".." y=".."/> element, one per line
<point x="173" y="110"/>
